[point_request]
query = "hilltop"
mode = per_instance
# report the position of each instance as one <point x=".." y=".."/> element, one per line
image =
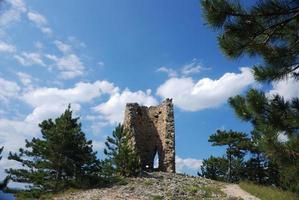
<point x="157" y="186"/>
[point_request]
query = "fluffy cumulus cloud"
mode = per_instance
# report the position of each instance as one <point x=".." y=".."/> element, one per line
<point x="49" y="102"/>
<point x="14" y="132"/>
<point x="191" y="95"/>
<point x="187" y="164"/>
<point x="9" y="89"/>
<point x="113" y="109"/>
<point x="12" y="136"/>
<point x="288" y="88"/>
<point x="46" y="111"/>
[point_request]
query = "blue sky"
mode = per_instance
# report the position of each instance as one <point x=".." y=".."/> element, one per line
<point x="100" y="54"/>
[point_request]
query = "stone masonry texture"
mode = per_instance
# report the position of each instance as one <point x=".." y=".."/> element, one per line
<point x="153" y="132"/>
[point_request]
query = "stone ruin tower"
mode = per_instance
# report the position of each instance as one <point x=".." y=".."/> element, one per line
<point x="152" y="130"/>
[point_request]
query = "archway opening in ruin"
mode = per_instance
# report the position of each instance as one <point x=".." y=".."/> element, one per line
<point x="156" y="161"/>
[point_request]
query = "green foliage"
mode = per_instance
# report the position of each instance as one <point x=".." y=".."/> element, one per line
<point x="157" y="197"/>
<point x="4" y="183"/>
<point x="220" y="169"/>
<point x="273" y="118"/>
<point x="1" y="150"/>
<point x="62" y="158"/>
<point x="258" y="168"/>
<point x="237" y="143"/>
<point x="215" y="168"/>
<point x="209" y="191"/>
<point x="124" y="160"/>
<point x="267" y="193"/>
<point x="271" y="32"/>
<point x="234" y="167"/>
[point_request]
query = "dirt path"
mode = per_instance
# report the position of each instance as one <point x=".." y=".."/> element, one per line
<point x="233" y="190"/>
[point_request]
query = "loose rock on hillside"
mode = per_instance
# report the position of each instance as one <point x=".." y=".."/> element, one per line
<point x="154" y="186"/>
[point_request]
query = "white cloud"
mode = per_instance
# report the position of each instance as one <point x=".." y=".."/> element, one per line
<point x="98" y="145"/>
<point x="183" y="164"/>
<point x="101" y="63"/>
<point x="46" y="111"/>
<point x="38" y="45"/>
<point x="40" y="21"/>
<point x="63" y="47"/>
<point x="113" y="109"/>
<point x="288" y="88"/>
<point x="169" y="71"/>
<point x="50" y="102"/>
<point x="82" y="92"/>
<point x="31" y="58"/>
<point x="9" y="89"/>
<point x="13" y="133"/>
<point x="37" y="18"/>
<point x="192" y="68"/>
<point x="282" y="137"/>
<point x="205" y="93"/>
<point x="25" y="79"/>
<point x="12" y="13"/>
<point x="188" y="69"/>
<point x="7" y="48"/>
<point x="69" y="64"/>
<point x="76" y="42"/>
<point x="97" y="123"/>
<point x="12" y="136"/>
<point x="46" y="30"/>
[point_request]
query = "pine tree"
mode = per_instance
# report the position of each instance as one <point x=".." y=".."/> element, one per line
<point x="272" y="119"/>
<point x="62" y="158"/>
<point x="214" y="168"/>
<point x="256" y="165"/>
<point x="120" y="152"/>
<point x="4" y="183"/>
<point x="237" y="143"/>
<point x="268" y="29"/>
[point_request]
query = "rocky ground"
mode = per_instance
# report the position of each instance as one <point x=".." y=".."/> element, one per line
<point x="158" y="186"/>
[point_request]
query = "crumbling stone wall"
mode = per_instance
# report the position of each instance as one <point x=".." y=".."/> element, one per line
<point x="153" y="132"/>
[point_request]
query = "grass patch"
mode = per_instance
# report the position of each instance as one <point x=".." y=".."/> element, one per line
<point x="204" y="191"/>
<point x="157" y="197"/>
<point x="192" y="189"/>
<point x="210" y="191"/>
<point x="37" y="194"/>
<point x="148" y="182"/>
<point x="268" y="193"/>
